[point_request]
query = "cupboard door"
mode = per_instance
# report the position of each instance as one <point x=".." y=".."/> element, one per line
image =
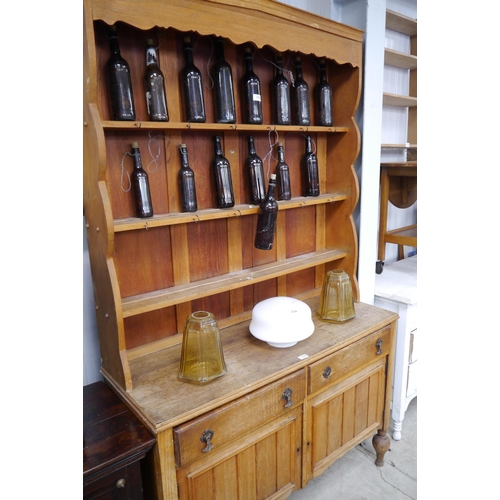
<point x="264" y="464"/>
<point x="342" y="416"/>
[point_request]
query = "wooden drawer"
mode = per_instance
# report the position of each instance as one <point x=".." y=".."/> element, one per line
<point x="237" y="418"/>
<point x="343" y="363"/>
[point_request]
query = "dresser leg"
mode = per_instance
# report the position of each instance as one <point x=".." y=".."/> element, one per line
<point x="381" y="443"/>
<point x="396" y="433"/>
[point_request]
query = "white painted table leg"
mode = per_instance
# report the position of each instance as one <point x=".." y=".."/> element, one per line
<point x="396" y="433"/>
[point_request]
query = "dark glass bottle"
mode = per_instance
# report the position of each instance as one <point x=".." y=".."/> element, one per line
<point x="251" y="92"/>
<point x="154" y="83"/>
<point x="280" y="95"/>
<point x="223" y="179"/>
<point x="192" y="87"/>
<point x="266" y="220"/>
<point x="187" y="187"/>
<point x="140" y="181"/>
<point x="255" y="168"/>
<point x="119" y="83"/>
<point x="225" y="111"/>
<point x="309" y="166"/>
<point x="283" y="175"/>
<point x="323" y="91"/>
<point x="301" y="112"/>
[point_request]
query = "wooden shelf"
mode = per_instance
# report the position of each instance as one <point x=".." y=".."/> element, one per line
<point x="399" y="146"/>
<point x="159" y="299"/>
<point x="400" y="23"/>
<point x="133" y="223"/>
<point x="399" y="164"/>
<point x="399" y="100"/>
<point x="221" y="127"/>
<point x="403" y="236"/>
<point x="400" y="59"/>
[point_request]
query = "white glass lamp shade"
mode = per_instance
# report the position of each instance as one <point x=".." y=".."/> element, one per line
<point x="281" y="321"/>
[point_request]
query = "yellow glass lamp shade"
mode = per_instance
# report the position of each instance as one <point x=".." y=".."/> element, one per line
<point x="202" y="358"/>
<point x="336" y="303"/>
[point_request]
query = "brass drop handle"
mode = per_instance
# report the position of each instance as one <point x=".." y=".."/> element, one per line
<point x="287" y="396"/>
<point x="120" y="483"/>
<point x="205" y="438"/>
<point x="378" y="345"/>
<point x="327" y="372"/>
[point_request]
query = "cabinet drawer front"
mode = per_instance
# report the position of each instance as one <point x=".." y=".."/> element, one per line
<point x="208" y="432"/>
<point x="348" y="360"/>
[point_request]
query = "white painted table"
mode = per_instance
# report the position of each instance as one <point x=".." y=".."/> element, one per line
<point x="396" y="290"/>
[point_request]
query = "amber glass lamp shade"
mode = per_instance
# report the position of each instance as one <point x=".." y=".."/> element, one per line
<point x="336" y="303"/>
<point x="202" y="358"/>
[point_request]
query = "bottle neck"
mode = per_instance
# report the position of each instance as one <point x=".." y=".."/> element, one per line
<point x="270" y="189"/>
<point x="249" y="63"/>
<point x="251" y="146"/>
<point x="114" y="45"/>
<point x="219" y="51"/>
<point x="136" y="155"/>
<point x="151" y="59"/>
<point x="279" y="66"/>
<point x="188" y="54"/>
<point x="184" y="158"/>
<point x="308" y="145"/>
<point x="281" y="154"/>
<point x="298" y="71"/>
<point x="218" y="147"/>
<point x="322" y="73"/>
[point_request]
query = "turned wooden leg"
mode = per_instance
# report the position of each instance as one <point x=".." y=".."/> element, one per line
<point x="381" y="443"/>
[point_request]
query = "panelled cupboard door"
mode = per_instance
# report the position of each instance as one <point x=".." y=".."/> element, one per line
<point x="342" y="416"/>
<point x="264" y="464"/>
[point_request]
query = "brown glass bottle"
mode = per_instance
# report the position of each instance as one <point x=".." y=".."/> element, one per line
<point x="187" y="186"/>
<point x="154" y="84"/>
<point x="119" y="83"/>
<point x="140" y="181"/>
<point x="309" y="167"/>
<point x="252" y="95"/>
<point x="225" y="111"/>
<point x="192" y="87"/>
<point x="280" y="95"/>
<point x="223" y="179"/>
<point x="323" y="98"/>
<point x="283" y="175"/>
<point x="255" y="168"/>
<point x="301" y="112"/>
<point x="266" y="220"/>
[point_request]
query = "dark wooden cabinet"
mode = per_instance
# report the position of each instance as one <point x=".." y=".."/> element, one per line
<point x="114" y="442"/>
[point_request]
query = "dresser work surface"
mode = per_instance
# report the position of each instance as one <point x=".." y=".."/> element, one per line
<point x="305" y="406"/>
<point x="396" y="290"/>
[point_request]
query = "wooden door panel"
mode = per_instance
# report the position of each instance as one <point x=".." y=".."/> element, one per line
<point x="342" y="416"/>
<point x="265" y="464"/>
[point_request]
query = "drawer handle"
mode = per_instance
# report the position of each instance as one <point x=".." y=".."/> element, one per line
<point x="378" y="345"/>
<point x="120" y="483"/>
<point x="205" y="438"/>
<point x="327" y="372"/>
<point x="287" y="396"/>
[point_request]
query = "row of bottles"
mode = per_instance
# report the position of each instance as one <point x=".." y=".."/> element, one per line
<point x="290" y="103"/>
<point x="223" y="180"/>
